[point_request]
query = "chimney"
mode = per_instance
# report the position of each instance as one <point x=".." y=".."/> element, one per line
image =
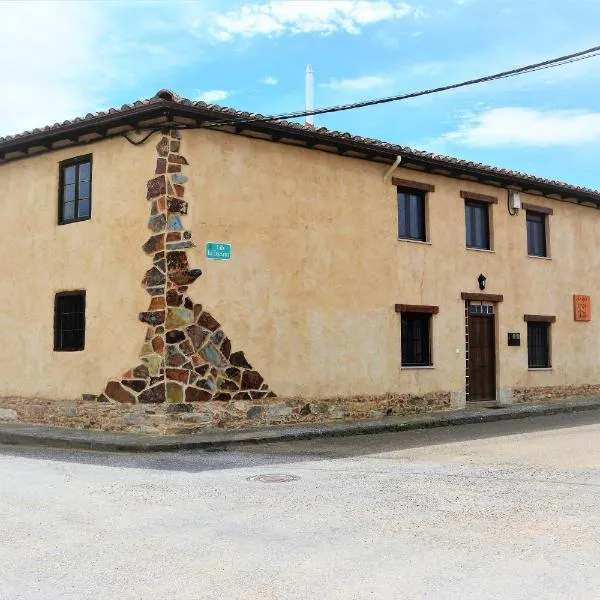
<point x="309" y="88"/>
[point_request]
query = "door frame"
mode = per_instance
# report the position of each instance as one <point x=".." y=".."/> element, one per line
<point x="493" y="299"/>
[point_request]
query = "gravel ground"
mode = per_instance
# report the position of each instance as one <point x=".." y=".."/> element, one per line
<point x="498" y="510"/>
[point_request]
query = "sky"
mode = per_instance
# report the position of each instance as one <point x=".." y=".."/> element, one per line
<point x="59" y="60"/>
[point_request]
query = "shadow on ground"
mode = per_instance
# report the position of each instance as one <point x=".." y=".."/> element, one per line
<point x="272" y="454"/>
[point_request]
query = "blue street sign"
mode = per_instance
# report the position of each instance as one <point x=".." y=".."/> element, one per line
<point x="218" y="251"/>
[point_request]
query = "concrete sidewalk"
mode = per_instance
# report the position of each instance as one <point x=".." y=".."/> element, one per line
<point x="85" y="439"/>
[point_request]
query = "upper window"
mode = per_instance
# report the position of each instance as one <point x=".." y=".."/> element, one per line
<point x="69" y="321"/>
<point x="478" y="225"/>
<point x="411" y="215"/>
<point x="538" y="345"/>
<point x="75" y="194"/>
<point x="536" y="233"/>
<point x="416" y="339"/>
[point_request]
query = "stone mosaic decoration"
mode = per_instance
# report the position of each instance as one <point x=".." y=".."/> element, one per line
<point x="186" y="356"/>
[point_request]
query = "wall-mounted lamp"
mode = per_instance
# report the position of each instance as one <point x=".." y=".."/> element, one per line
<point x="481" y="280"/>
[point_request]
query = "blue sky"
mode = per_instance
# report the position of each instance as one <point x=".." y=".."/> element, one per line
<point x="61" y="59"/>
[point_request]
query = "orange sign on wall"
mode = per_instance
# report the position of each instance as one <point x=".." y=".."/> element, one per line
<point x="582" y="308"/>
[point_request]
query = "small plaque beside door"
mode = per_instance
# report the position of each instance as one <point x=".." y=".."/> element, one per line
<point x="514" y="339"/>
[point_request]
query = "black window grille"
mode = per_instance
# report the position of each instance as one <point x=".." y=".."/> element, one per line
<point x="75" y="194"/>
<point x="478" y="225"/>
<point x="69" y="321"/>
<point x="416" y="339"/>
<point x="538" y="345"/>
<point x="411" y="215"/>
<point x="536" y="233"/>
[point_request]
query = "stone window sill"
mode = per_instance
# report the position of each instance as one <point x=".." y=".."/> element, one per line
<point x="540" y="369"/>
<point x="539" y="257"/>
<point x="418" y="368"/>
<point x="75" y="220"/>
<point x="426" y="242"/>
<point x="481" y="250"/>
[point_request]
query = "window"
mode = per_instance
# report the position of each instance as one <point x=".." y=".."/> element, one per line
<point x="536" y="233"/>
<point x="411" y="214"/>
<point x="75" y="194"/>
<point x="69" y="321"/>
<point x="538" y="345"/>
<point x="478" y="225"/>
<point x="481" y="309"/>
<point x="416" y="340"/>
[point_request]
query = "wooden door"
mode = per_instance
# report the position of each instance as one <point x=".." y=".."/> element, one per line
<point x="482" y="358"/>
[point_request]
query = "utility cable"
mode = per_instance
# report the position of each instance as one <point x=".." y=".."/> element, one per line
<point x="547" y="64"/>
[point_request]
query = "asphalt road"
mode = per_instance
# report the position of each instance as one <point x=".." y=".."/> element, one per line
<point x="495" y="510"/>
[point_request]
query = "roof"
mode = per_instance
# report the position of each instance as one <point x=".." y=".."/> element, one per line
<point x="167" y="107"/>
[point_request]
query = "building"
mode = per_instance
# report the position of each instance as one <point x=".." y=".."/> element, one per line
<point x="364" y="278"/>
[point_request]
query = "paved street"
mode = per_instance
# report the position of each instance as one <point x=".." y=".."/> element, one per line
<point x="496" y="510"/>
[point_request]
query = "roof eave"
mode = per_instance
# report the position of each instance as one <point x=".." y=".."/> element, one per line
<point x="170" y="110"/>
<point x="100" y="123"/>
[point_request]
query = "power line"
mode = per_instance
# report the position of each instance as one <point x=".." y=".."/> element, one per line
<point x="547" y="64"/>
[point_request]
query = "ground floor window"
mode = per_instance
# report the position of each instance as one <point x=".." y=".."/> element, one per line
<point x="416" y="339"/>
<point x="69" y="321"/>
<point x="538" y="345"/>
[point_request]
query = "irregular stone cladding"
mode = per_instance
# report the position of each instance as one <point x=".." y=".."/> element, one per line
<point x="557" y="392"/>
<point x="176" y="418"/>
<point x="186" y="356"/>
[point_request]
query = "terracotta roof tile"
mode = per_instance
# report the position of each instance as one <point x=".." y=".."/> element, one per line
<point x="167" y="96"/>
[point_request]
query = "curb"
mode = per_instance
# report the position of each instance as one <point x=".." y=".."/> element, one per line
<point x="103" y="441"/>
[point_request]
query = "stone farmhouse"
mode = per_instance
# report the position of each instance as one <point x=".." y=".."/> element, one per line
<point x="171" y="265"/>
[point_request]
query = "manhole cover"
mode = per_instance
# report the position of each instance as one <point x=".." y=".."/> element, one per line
<point x="273" y="478"/>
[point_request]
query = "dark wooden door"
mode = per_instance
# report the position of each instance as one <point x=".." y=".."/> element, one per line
<point x="482" y="358"/>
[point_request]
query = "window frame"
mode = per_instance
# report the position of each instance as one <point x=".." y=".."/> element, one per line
<point x="537" y="216"/>
<point x="484" y="206"/>
<point x="58" y="346"/>
<point x="423" y="317"/>
<point x="539" y="323"/>
<point x="76" y="161"/>
<point x="421" y="194"/>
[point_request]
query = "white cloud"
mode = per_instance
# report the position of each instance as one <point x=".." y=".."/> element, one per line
<point x="367" y="82"/>
<point x="59" y="60"/>
<point x="212" y="96"/>
<point x="429" y="69"/>
<point x="43" y="48"/>
<point x="516" y="126"/>
<point x="304" y="16"/>
<point x="269" y="80"/>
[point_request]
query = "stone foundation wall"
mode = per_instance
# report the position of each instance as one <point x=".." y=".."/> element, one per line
<point x="174" y="418"/>
<point x="559" y="392"/>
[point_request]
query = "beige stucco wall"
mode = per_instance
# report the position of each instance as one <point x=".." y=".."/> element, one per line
<point x="101" y="255"/>
<point x="317" y="268"/>
<point x="316" y="271"/>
